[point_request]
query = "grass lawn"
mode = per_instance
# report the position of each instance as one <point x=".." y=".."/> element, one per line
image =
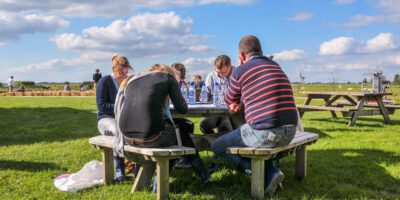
<point x="43" y="137"/>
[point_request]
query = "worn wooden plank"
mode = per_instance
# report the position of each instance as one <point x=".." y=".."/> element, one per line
<point x="107" y="141"/>
<point x="257" y="178"/>
<point x="300" y="138"/>
<point x="143" y="178"/>
<point x="108" y="172"/>
<point x="301" y="163"/>
<point x="303" y="108"/>
<point x="162" y="178"/>
<point x="247" y="150"/>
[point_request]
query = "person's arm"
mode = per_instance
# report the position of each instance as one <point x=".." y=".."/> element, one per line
<point x="102" y="94"/>
<point x="232" y="96"/>
<point x="209" y="85"/>
<point x="175" y="95"/>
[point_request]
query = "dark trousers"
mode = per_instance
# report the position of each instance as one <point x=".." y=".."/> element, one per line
<point x="168" y="137"/>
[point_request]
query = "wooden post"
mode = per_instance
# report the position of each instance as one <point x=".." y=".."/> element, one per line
<point x="306" y="102"/>
<point x="143" y="178"/>
<point x="108" y="173"/>
<point x="257" y="178"/>
<point x="383" y="109"/>
<point x="301" y="163"/>
<point x="328" y="103"/>
<point x="162" y="178"/>
<point x="356" y="113"/>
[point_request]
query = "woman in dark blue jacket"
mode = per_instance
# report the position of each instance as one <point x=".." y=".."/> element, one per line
<point x="106" y="92"/>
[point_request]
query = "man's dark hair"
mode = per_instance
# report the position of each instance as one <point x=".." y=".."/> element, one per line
<point x="250" y="44"/>
<point x="97" y="70"/>
<point x="221" y="61"/>
<point x="12" y="76"/>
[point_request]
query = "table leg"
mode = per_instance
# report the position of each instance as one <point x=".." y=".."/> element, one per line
<point x="162" y="178"/>
<point x="306" y="102"/>
<point x="383" y="109"/>
<point x="354" y="116"/>
<point x="328" y="102"/>
<point x="108" y="173"/>
<point x="257" y="178"/>
<point x="301" y="163"/>
<point x="143" y="178"/>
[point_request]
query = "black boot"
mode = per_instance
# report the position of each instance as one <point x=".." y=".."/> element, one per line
<point x="202" y="171"/>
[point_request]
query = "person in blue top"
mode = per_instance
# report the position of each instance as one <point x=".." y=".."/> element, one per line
<point x="106" y="93"/>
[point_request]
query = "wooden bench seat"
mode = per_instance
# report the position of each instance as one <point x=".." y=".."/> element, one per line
<point x="259" y="155"/>
<point x="323" y="108"/>
<point x="145" y="156"/>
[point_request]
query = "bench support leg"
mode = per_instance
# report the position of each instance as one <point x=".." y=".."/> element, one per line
<point x="257" y="178"/>
<point x="162" y="178"/>
<point x="108" y="173"/>
<point x="143" y="178"/>
<point x="301" y="163"/>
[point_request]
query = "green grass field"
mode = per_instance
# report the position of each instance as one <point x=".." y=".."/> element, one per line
<point x="43" y="137"/>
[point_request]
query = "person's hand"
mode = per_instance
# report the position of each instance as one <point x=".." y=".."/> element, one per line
<point x="235" y="107"/>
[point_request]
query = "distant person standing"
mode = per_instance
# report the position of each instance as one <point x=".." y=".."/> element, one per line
<point x="198" y="82"/>
<point x="96" y="77"/>
<point x="10" y="83"/>
<point x="67" y="87"/>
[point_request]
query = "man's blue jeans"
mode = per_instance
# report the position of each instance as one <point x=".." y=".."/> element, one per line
<point x="245" y="136"/>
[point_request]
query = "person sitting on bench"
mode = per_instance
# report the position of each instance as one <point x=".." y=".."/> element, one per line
<point x="105" y="98"/>
<point x="263" y="89"/>
<point x="142" y="121"/>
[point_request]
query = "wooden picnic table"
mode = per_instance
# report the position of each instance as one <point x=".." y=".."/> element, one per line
<point x="209" y="110"/>
<point x="356" y="101"/>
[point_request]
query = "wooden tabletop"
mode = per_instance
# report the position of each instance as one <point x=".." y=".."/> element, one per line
<point x="204" y="110"/>
<point x="359" y="94"/>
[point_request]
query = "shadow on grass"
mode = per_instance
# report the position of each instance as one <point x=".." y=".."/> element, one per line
<point x="361" y="122"/>
<point x="336" y="173"/>
<point x="27" y="165"/>
<point x="32" y="125"/>
<point x="321" y="133"/>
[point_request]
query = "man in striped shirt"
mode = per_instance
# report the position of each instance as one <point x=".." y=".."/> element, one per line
<point x="262" y="89"/>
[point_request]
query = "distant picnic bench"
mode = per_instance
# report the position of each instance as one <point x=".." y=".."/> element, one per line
<point x="356" y="100"/>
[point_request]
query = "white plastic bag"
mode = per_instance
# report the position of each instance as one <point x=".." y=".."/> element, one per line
<point x="90" y="175"/>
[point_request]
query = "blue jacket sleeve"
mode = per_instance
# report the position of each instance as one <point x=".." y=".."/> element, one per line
<point x="103" y="93"/>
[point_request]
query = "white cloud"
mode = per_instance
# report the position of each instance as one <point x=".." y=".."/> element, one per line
<point x="382" y="42"/>
<point x="90" y="8"/>
<point x="294" y="54"/>
<point x="344" y="2"/>
<point x="201" y="66"/>
<point x="300" y="16"/>
<point x="347" y="45"/>
<point x="363" y="20"/>
<point x="389" y="13"/>
<point x="338" y="46"/>
<point x="141" y="35"/>
<point x="13" y="25"/>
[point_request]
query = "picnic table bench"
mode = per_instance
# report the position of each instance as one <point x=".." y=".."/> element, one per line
<point x="259" y="155"/>
<point x="357" y="101"/>
<point x="145" y="156"/>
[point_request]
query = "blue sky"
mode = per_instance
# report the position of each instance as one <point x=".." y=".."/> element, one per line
<point x="323" y="40"/>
